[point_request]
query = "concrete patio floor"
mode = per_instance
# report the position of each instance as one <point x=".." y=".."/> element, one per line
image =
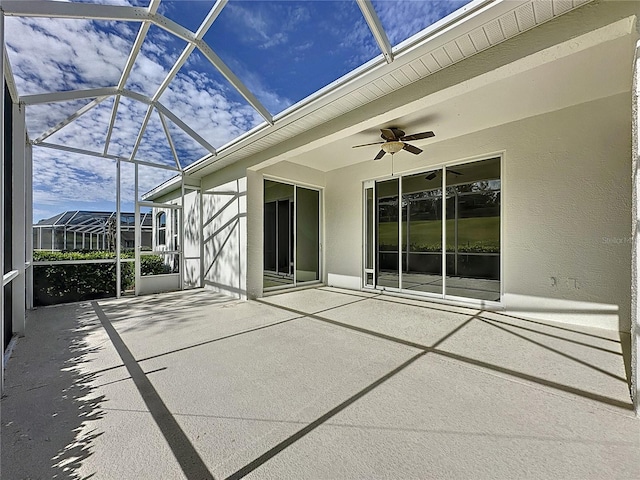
<point x="318" y="383"/>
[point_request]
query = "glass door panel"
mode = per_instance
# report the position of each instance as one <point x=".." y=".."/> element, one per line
<point x="307" y="235"/>
<point x="270" y="235"/>
<point x="388" y="244"/>
<point x="473" y="230"/>
<point x="422" y="232"/>
<point x="285" y="232"/>
<point x="278" y="234"/>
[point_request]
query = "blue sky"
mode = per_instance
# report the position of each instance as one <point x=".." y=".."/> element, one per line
<point x="282" y="51"/>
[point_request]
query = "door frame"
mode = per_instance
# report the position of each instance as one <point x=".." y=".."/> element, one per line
<point x="295" y="186"/>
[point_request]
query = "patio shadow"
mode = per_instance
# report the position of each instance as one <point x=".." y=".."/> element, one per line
<point x="57" y="436"/>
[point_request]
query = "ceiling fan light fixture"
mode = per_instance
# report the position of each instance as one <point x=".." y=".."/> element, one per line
<point x="392" y="146"/>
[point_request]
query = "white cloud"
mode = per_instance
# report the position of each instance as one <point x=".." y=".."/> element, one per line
<point x="268" y="25"/>
<point x="50" y="55"/>
<point x="403" y="18"/>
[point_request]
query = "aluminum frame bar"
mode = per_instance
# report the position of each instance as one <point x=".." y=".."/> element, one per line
<point x="74" y="116"/>
<point x="133" y="55"/>
<point x="65" y="96"/>
<point x="28" y="222"/>
<point x="184" y="127"/>
<point x="143" y="128"/>
<point x="80" y="151"/>
<point x="234" y="81"/>
<point x="2" y="159"/>
<point x="378" y="31"/>
<point x="170" y="140"/>
<point x="18" y="207"/>
<point x="202" y="30"/>
<point x="31" y="8"/>
<point x="73" y="10"/>
<point x="9" y="78"/>
<point x="118" y="232"/>
<point x="97" y="92"/>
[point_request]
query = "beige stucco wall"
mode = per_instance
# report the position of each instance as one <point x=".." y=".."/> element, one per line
<point x="224" y="234"/>
<point x="566" y="211"/>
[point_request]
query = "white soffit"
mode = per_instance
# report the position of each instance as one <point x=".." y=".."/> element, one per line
<point x="558" y="77"/>
<point x="414" y="59"/>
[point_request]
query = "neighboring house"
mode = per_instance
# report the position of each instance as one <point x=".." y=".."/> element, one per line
<point x="89" y="230"/>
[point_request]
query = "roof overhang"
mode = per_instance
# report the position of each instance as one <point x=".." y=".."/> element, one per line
<point x="481" y="26"/>
<point x="583" y="47"/>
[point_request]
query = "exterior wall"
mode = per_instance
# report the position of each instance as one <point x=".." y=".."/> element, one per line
<point x="566" y="194"/>
<point x="224" y="233"/>
<point x="232" y="218"/>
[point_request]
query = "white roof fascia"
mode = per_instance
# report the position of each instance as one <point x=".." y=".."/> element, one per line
<point x="169" y="186"/>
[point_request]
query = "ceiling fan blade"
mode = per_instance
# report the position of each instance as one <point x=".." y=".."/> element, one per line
<point x="418" y="136"/>
<point x="368" y="144"/>
<point x="388" y="134"/>
<point x="412" y="149"/>
<point x="397" y="132"/>
<point x="454" y="172"/>
<point x="380" y="155"/>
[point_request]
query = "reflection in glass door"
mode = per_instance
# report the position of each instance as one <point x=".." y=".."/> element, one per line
<point x="422" y="232"/>
<point x="387" y="213"/>
<point x="473" y="230"/>
<point x="409" y="256"/>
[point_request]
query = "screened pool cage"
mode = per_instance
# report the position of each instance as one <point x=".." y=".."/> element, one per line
<point x="86" y="230"/>
<point x="160" y="137"/>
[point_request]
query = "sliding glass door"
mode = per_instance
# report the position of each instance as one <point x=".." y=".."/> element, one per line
<point x="416" y="251"/>
<point x="291" y="246"/>
<point x="422" y="233"/>
<point x="473" y="230"/>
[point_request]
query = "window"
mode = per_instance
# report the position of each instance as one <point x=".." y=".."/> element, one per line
<point x="161" y="226"/>
<point x="175" y="229"/>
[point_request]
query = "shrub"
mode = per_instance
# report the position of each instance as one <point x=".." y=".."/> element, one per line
<point x="54" y="284"/>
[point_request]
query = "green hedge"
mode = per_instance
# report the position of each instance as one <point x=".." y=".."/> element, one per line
<point x="54" y="284"/>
